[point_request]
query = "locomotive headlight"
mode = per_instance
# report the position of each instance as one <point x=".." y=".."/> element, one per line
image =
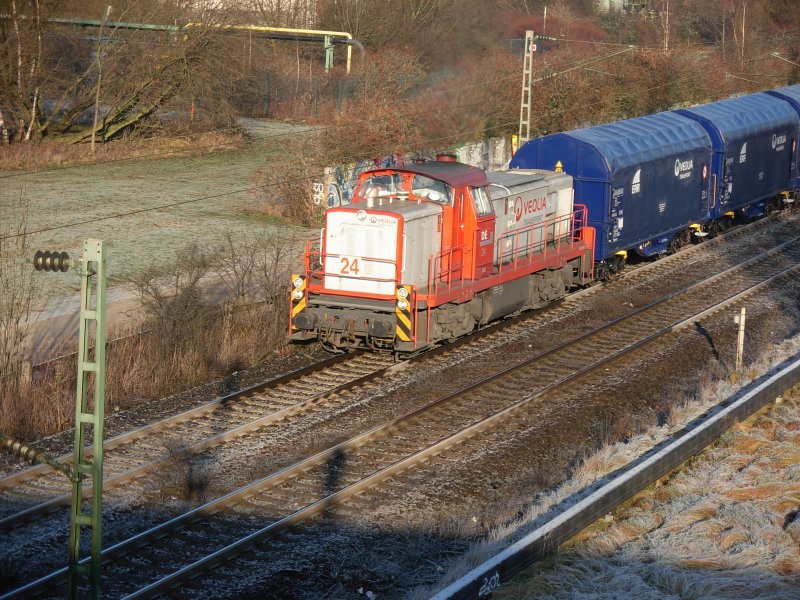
<point x="402" y="304"/>
<point x="297" y="294"/>
<point x="402" y="292"/>
<point x="298" y="282"/>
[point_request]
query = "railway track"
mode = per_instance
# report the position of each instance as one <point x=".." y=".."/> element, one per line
<point x="132" y="455"/>
<point x="579" y="511"/>
<point x="235" y="524"/>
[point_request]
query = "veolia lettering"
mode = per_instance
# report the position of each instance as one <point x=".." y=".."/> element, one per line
<point x="683" y="168"/>
<point x="529" y="206"/>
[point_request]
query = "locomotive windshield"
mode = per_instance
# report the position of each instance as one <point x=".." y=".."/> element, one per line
<point x="431" y="189"/>
<point x="381" y="185"/>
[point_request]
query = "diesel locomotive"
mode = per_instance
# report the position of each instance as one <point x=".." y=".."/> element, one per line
<point x="428" y="252"/>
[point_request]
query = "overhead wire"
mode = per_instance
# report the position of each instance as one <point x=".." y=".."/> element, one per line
<point x="351" y="157"/>
<point x="314" y="129"/>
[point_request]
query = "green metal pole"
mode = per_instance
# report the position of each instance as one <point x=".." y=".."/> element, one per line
<point x="93" y="312"/>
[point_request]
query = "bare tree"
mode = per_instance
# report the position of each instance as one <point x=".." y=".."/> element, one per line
<point x="20" y="293"/>
<point x="143" y="69"/>
<point x="3" y="129"/>
<point x="235" y="261"/>
<point x="286" y="13"/>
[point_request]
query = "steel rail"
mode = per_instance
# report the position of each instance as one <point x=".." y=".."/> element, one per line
<point x="567" y="520"/>
<point x="209" y="407"/>
<point x="183" y="416"/>
<point x="407" y="462"/>
<point x="317" y="508"/>
<point x="121" y="478"/>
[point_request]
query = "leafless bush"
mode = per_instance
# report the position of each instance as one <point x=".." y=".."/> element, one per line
<point x="20" y="300"/>
<point x="235" y="263"/>
<point x="276" y="258"/>
<point x="182" y="475"/>
<point x="287" y="182"/>
<point x="184" y="340"/>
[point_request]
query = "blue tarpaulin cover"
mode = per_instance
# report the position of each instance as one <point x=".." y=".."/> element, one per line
<point x="641" y="179"/>
<point x="753" y="139"/>
<point x="791" y="94"/>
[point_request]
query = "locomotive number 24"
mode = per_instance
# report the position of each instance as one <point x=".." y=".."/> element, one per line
<point x="349" y="265"/>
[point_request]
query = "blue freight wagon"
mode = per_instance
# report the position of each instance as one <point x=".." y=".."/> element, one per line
<point x="645" y="181"/>
<point x="752" y="138"/>
<point x="791" y="94"/>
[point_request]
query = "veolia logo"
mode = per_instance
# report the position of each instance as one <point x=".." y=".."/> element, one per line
<point x="683" y="168"/>
<point x="778" y="141"/>
<point x="636" y="186"/>
<point x="528" y="206"/>
<point x="743" y="153"/>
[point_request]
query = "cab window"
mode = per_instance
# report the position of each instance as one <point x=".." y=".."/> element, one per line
<point x="431" y="189"/>
<point x="380" y="186"/>
<point x="483" y="205"/>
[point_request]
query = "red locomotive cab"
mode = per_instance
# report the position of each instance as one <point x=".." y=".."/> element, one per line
<point x="472" y="239"/>
<point x="482" y="214"/>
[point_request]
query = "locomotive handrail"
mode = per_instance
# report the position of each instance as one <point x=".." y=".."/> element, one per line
<point x="539" y="247"/>
<point x="437" y="273"/>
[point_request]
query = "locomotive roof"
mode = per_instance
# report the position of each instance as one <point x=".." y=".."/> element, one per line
<point x="453" y="173"/>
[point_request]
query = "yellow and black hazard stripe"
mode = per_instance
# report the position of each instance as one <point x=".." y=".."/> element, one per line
<point x="298" y="297"/>
<point x="402" y="311"/>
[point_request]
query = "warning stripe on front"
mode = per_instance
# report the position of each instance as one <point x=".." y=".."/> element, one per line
<point x="297" y="305"/>
<point x="403" y="328"/>
<point x="403" y="331"/>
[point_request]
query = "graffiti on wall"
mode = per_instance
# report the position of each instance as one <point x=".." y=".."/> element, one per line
<point x="341" y="180"/>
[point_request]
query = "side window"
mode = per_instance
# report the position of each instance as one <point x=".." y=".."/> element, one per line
<point x="483" y="205"/>
<point x="431" y="189"/>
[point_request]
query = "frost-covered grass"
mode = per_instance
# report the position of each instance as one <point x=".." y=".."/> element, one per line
<point x="724" y="525"/>
<point x="168" y="203"/>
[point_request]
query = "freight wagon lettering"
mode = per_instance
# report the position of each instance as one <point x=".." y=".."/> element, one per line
<point x="526" y="207"/>
<point x="683" y="168"/>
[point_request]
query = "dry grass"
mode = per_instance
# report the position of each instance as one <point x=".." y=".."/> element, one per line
<point x="49" y="153"/>
<point x="192" y="339"/>
<point x="182" y="476"/>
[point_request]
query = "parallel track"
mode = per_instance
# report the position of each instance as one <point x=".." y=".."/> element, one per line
<point x="233" y="524"/>
<point x="136" y="453"/>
